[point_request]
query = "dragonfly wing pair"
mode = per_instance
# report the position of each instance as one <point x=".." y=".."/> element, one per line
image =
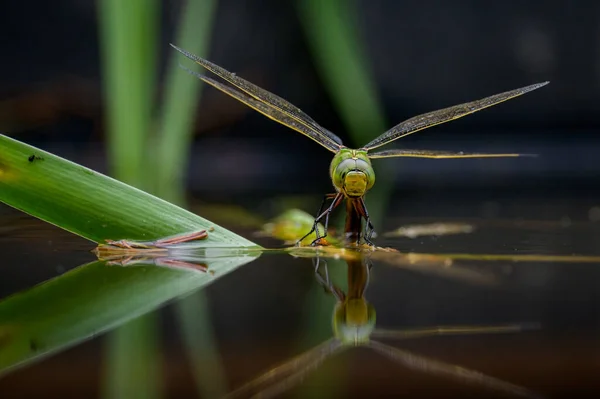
<point x="282" y="378"/>
<point x="280" y="110"/>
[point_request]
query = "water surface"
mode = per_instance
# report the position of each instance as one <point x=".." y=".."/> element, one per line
<point x="272" y="309"/>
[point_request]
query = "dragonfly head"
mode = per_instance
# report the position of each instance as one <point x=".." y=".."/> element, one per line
<point x="351" y="172"/>
<point x="354" y="321"/>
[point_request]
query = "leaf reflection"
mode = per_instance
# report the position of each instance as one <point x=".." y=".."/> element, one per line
<point x="99" y="296"/>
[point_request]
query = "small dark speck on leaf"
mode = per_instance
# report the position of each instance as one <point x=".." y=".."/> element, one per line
<point x="34" y="157"/>
<point x="33" y="345"/>
<point x="89" y="172"/>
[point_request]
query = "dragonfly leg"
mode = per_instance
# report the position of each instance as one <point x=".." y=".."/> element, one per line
<point x="325" y="198"/>
<point x="315" y="225"/>
<point x="317" y="264"/>
<point x="320" y="216"/>
<point x="369" y="229"/>
<point x="326" y="282"/>
<point x="336" y="201"/>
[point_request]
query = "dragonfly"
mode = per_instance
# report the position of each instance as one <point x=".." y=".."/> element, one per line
<point x="353" y="325"/>
<point x="351" y="171"/>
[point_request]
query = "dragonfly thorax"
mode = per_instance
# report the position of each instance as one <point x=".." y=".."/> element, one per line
<point x="351" y="172"/>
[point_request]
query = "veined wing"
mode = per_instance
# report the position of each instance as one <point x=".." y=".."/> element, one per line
<point x="461" y="374"/>
<point x="438" y="154"/>
<point x="452" y="330"/>
<point x="264" y="109"/>
<point x="293" y="116"/>
<point x="424" y="121"/>
<point x="279" y="379"/>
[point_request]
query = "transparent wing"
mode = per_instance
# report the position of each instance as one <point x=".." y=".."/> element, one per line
<point x="452" y="330"/>
<point x="265" y="109"/>
<point x="424" y="121"/>
<point x="431" y="366"/>
<point x="279" y="379"/>
<point x="283" y="111"/>
<point x="438" y="154"/>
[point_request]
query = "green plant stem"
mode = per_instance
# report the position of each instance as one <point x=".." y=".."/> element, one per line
<point x="318" y="328"/>
<point x="174" y="139"/>
<point x="133" y="361"/>
<point x="128" y="32"/>
<point x="331" y="28"/>
<point x="182" y="93"/>
<point x="199" y="342"/>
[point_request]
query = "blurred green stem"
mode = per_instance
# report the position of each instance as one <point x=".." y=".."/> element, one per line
<point x="182" y="93"/>
<point x="128" y="36"/>
<point x="134" y="364"/>
<point x="198" y="337"/>
<point x="338" y="51"/>
<point x="319" y="305"/>
<point x="331" y="28"/>
<point x="173" y="143"/>
<point x="128" y="33"/>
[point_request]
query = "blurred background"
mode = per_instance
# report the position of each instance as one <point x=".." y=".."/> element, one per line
<point x="97" y="83"/>
<point x="419" y="55"/>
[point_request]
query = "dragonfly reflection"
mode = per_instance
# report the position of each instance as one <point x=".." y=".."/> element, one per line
<point x="353" y="324"/>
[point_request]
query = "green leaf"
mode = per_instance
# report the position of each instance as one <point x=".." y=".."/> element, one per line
<point x="97" y="297"/>
<point x="91" y="204"/>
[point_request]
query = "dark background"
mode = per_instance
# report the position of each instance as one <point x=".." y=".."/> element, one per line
<point x="423" y="55"/>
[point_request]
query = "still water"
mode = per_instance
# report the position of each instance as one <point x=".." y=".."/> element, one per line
<point x="274" y="308"/>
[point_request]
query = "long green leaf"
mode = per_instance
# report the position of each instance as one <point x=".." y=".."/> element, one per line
<point x="93" y="205"/>
<point x="94" y="298"/>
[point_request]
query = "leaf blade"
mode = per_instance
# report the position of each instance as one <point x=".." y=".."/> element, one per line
<point x="90" y="204"/>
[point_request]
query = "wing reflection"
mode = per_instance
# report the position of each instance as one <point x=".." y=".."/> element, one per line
<point x="354" y="326"/>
